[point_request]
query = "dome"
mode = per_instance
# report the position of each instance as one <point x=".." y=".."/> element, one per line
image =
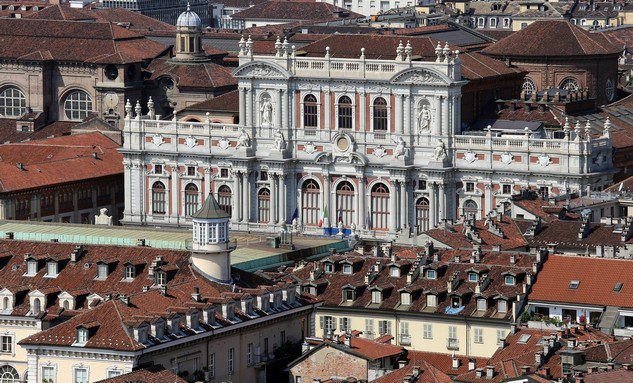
<point x="189" y="19"/>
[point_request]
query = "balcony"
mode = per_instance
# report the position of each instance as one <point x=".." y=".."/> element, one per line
<point x="405" y="339"/>
<point x="452" y="344"/>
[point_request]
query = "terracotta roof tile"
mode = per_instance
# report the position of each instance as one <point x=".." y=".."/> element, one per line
<point x="295" y="11"/>
<point x="155" y="374"/>
<point x="206" y="75"/>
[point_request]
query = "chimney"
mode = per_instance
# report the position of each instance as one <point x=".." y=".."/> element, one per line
<point x="305" y="347"/>
<point x="490" y="372"/>
<point x="163" y="290"/>
<point x="8" y="235"/>
<point x="140" y="242"/>
<point x="456" y="362"/>
<point x="525" y="370"/>
<point x="348" y="339"/>
<point x="546" y="372"/>
<point x="502" y="343"/>
<point x="513" y="259"/>
<point x="479" y="373"/>
<point x="472" y="364"/>
<point x="125" y="299"/>
<point x="538" y="358"/>
<point x="196" y="294"/>
<point x="610" y="366"/>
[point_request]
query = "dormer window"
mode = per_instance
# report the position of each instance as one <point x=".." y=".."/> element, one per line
<point x="349" y="295"/>
<point x="502" y="306"/>
<point x="209" y="316"/>
<point x="431" y="274"/>
<point x="405" y="298"/>
<point x="51" y="269"/>
<point x="347" y="269"/>
<point x="456" y="302"/>
<point x="376" y="297"/>
<point x="36" y="308"/>
<point x="160" y="278"/>
<point x="395" y="271"/>
<point x="510" y="280"/>
<point x="329" y="268"/>
<point x="158" y="329"/>
<point x="142" y="334"/>
<point x="192" y="321"/>
<point x="82" y="336"/>
<point x="174" y="325"/>
<point x="31" y="267"/>
<point x="431" y="300"/>
<point x="102" y="271"/>
<point x="473" y="277"/>
<point x="130" y="272"/>
<point x="573" y="285"/>
<point x="482" y="304"/>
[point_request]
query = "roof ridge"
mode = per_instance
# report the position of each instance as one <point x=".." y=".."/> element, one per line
<point x="122" y="325"/>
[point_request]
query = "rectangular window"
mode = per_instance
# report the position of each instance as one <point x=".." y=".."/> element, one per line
<point x="431" y="300"/>
<point x="282" y="336"/>
<point x="376" y="296"/>
<point x="384" y="327"/>
<point x="7" y="344"/>
<point x="249" y="354"/>
<point x="114" y="373"/>
<point x="191" y="171"/>
<point x="507" y="189"/>
<point x="80" y="375"/>
<point x="263" y="175"/>
<point x="427" y="332"/>
<point x="48" y="374"/>
<point x="349" y="295"/>
<point x="31" y="267"/>
<point x="479" y="335"/>
<point x="224" y="173"/>
<point x="470" y="187"/>
<point x="158" y="169"/>
<point x="502" y="306"/>
<point x="501" y="334"/>
<point x="212" y="365"/>
<point x="422" y="184"/>
<point x="343" y="324"/>
<point x="452" y="332"/>
<point x="231" y="360"/>
<point x="266" y="347"/>
<point x="482" y="305"/>
<point x="369" y="328"/>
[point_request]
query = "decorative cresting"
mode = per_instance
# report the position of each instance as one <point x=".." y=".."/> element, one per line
<point x="258" y="70"/>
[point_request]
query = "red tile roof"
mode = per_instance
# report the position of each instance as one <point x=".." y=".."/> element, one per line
<point x="552" y="38"/>
<point x="206" y="75"/>
<point x="455" y="236"/>
<point x="597" y="277"/>
<point x="611" y="376"/>
<point x="426" y="373"/>
<point x="147" y="375"/>
<point x="41" y="40"/>
<point x="295" y="11"/>
<point x="9" y="132"/>
<point x="58" y="160"/>
<point x="227" y="102"/>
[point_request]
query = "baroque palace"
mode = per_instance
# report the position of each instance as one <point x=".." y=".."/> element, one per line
<point x="371" y="146"/>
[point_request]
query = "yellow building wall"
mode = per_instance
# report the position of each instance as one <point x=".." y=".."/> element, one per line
<point x="465" y="331"/>
<point x="329" y="362"/>
<point x="64" y="367"/>
<point x="18" y="358"/>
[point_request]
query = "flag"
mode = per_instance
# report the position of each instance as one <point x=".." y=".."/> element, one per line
<point x="295" y="215"/>
<point x="323" y="216"/>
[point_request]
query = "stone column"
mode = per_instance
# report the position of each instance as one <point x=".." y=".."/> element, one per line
<point x="279" y="109"/>
<point x="442" y="198"/>
<point x="273" y="196"/>
<point x="174" y="193"/>
<point x="286" y="105"/>
<point x="326" y="195"/>
<point x="127" y="189"/>
<point x="207" y="183"/>
<point x="249" y="120"/>
<point x="445" y="117"/>
<point x="458" y="114"/>
<point x="328" y="108"/>
<point x="362" y="211"/>
<point x="362" y="109"/>
<point x="437" y="126"/>
<point x="237" y="206"/>
<point x="242" y="106"/>
<point x="407" y="114"/>
<point x="246" y="193"/>
<point x="432" y="205"/>
<point x="488" y="198"/>
<point x="282" y="198"/>
<point x="393" y="209"/>
<point x="398" y="110"/>
<point x="404" y="205"/>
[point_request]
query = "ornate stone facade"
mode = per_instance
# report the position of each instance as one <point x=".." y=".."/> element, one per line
<point x="371" y="147"/>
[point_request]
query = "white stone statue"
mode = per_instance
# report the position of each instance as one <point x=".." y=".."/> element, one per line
<point x="340" y="228"/>
<point x="424" y="118"/>
<point x="266" y="109"/>
<point x="243" y="139"/>
<point x="280" y="141"/>
<point x="440" y="151"/>
<point x="103" y="218"/>
<point x="401" y="148"/>
<point x="295" y="225"/>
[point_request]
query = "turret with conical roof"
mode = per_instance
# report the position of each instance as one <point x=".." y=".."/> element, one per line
<point x="211" y="253"/>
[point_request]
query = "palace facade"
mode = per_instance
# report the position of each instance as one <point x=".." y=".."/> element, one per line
<point x="372" y="146"/>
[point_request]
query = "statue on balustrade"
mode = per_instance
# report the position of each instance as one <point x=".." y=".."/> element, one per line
<point x="243" y="139"/>
<point x="401" y="149"/>
<point x="440" y="151"/>
<point x="280" y="141"/>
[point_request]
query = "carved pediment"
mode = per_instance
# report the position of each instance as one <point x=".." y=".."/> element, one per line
<point x="261" y="70"/>
<point x="419" y="76"/>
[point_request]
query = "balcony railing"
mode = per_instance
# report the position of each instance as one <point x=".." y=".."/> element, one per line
<point x="452" y="343"/>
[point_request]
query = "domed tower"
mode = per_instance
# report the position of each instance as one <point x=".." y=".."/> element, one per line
<point x="211" y="253"/>
<point x="189" y="37"/>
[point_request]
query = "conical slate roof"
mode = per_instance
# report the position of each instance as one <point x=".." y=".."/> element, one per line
<point x="211" y="210"/>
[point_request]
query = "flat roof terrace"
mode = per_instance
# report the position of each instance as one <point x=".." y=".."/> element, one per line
<point x="252" y="250"/>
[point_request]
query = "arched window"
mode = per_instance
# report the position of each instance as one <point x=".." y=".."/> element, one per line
<point x="9" y="374"/>
<point x="158" y="198"/>
<point x="5" y="303"/>
<point x="380" y="114"/>
<point x="77" y="105"/>
<point x="609" y="90"/>
<point x="224" y="199"/>
<point x="470" y="209"/>
<point x="310" y="195"/>
<point x="263" y="206"/>
<point x="528" y="86"/>
<point x="422" y="214"/>
<point x="191" y="199"/>
<point x="507" y="209"/>
<point x="569" y="84"/>
<point x="345" y="113"/>
<point x="380" y="207"/>
<point x="12" y="102"/>
<point x="66" y="305"/>
<point x="345" y="203"/>
<point x="310" y="111"/>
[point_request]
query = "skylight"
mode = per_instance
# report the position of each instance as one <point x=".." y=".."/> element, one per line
<point x="574" y="284"/>
<point x="617" y="287"/>
<point x="524" y="338"/>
